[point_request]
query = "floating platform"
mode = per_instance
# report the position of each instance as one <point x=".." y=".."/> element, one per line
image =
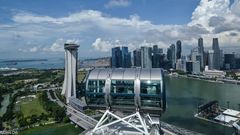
<point x="212" y="112"/>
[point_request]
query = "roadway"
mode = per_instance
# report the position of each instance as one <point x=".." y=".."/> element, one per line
<point x="76" y="116"/>
<point x="81" y="119"/>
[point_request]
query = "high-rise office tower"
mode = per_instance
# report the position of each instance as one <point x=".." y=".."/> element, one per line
<point x="189" y="67"/>
<point x="155" y="49"/>
<point x="173" y="55"/>
<point x="126" y="58"/>
<point x="70" y="77"/>
<point x="181" y="64"/>
<point x="211" y="60"/>
<point x="221" y="59"/>
<point x="196" y="61"/>
<point x="178" y="49"/>
<point x="216" y="54"/>
<point x="237" y="62"/>
<point x="116" y="57"/>
<point x="229" y="61"/>
<point x="201" y="53"/>
<point x="195" y="55"/>
<point x="146" y="57"/>
<point x="137" y="58"/>
<point x="196" y="67"/>
<point x="162" y="61"/>
<point x="156" y="57"/>
<point x="160" y="50"/>
<point x="169" y="54"/>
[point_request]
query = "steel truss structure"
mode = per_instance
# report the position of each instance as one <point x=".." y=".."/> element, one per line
<point x="135" y="121"/>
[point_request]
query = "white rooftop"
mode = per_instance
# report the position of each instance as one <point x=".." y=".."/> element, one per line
<point x="226" y="118"/>
<point x="231" y="112"/>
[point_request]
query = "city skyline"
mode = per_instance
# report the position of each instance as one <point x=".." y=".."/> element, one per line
<point x="99" y="26"/>
<point x="198" y="61"/>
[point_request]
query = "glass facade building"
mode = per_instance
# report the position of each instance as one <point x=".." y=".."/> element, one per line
<point x="146" y="57"/>
<point x="126" y="89"/>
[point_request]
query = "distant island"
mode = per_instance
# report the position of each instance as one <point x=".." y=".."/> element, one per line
<point x="26" y="60"/>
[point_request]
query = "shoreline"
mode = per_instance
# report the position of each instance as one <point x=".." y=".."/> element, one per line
<point x="210" y="81"/>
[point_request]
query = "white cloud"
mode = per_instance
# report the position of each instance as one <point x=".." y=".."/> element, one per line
<point x="106" y="45"/>
<point x="215" y="18"/>
<point x="235" y="8"/>
<point x="208" y="9"/>
<point x="117" y="3"/>
<point x="31" y="50"/>
<point x="58" y="45"/>
<point x="76" y="17"/>
<point x="103" y="46"/>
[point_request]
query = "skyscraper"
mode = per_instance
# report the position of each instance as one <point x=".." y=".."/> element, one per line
<point x="196" y="67"/>
<point x="178" y="49"/>
<point x="210" y="59"/>
<point x="229" y="61"/>
<point x="221" y="59"/>
<point x="200" y="45"/>
<point x="156" y="57"/>
<point x="137" y="58"/>
<point x="201" y="53"/>
<point x="121" y="57"/>
<point x="160" y="50"/>
<point x="181" y="64"/>
<point x="195" y="56"/>
<point x="146" y="57"/>
<point x="173" y="55"/>
<point x="196" y="61"/>
<point x="169" y="54"/>
<point x="189" y="67"/>
<point x="155" y="49"/>
<point x="70" y="77"/>
<point x="216" y="54"/>
<point x="116" y="57"/>
<point x="126" y="58"/>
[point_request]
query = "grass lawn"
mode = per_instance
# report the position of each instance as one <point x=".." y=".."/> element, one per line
<point x="54" y="129"/>
<point x="81" y="75"/>
<point x="33" y="107"/>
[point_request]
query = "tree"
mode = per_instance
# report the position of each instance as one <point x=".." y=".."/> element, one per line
<point x="58" y="113"/>
<point x="1" y="126"/>
<point x="33" y="119"/>
<point x="23" y="122"/>
<point x="43" y="117"/>
<point x="66" y="119"/>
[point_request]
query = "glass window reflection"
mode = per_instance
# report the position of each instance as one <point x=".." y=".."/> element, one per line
<point x="95" y="92"/>
<point x="150" y="93"/>
<point x="122" y="92"/>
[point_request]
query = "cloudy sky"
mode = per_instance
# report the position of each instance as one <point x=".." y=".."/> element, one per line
<point x="39" y="28"/>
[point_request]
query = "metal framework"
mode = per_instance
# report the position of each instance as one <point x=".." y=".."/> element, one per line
<point x="135" y="121"/>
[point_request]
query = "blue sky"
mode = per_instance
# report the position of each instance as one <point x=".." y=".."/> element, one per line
<point x="178" y="12"/>
<point x="39" y="28"/>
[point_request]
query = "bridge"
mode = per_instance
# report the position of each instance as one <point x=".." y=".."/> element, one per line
<point x="76" y="116"/>
<point x="81" y="119"/>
